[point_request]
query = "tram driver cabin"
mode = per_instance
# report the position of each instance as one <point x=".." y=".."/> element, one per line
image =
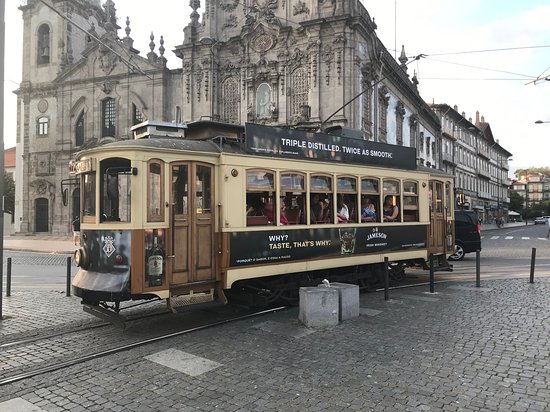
<point x="221" y="207"/>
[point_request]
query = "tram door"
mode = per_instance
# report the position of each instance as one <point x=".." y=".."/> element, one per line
<point x="192" y="251"/>
<point x="437" y="217"/>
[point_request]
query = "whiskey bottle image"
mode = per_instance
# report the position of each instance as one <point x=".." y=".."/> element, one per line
<point x="155" y="262"/>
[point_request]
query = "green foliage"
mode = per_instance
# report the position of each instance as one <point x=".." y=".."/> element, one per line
<point x="517" y="202"/>
<point x="9" y="193"/>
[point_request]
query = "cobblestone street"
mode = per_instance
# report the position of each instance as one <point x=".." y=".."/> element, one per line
<point x="461" y="349"/>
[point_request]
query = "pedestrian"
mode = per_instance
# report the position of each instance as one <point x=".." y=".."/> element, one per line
<point x="76" y="230"/>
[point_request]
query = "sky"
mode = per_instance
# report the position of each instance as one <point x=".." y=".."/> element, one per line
<point x="481" y="55"/>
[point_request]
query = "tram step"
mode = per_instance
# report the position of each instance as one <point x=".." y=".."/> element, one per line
<point x="190" y="299"/>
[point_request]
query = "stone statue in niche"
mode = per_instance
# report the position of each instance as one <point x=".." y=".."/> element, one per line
<point x="263" y="101"/>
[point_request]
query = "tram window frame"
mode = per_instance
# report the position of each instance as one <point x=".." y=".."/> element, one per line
<point x="321" y="185"/>
<point x="372" y="191"/>
<point x="115" y="194"/>
<point x="292" y="197"/>
<point x="348" y="194"/>
<point x="410" y="201"/>
<point x="203" y="189"/>
<point x="88" y="212"/>
<point x="392" y="187"/>
<point x="259" y="193"/>
<point x="155" y="191"/>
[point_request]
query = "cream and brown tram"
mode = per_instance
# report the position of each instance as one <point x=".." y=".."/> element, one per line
<point x="192" y="213"/>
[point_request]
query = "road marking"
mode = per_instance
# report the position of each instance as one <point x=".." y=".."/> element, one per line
<point x="509" y="237"/>
<point x="525" y="238"/>
<point x="494" y="237"/>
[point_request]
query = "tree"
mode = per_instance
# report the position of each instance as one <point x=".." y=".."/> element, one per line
<point x="9" y="193"/>
<point x="517" y="202"/>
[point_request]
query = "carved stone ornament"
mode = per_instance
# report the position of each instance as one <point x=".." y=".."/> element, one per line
<point x="107" y="61"/>
<point x="300" y="8"/>
<point x="42" y="106"/>
<point x="262" y="43"/>
<point x="228" y="5"/>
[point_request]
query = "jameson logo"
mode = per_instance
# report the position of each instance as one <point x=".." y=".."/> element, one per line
<point x="376" y="235"/>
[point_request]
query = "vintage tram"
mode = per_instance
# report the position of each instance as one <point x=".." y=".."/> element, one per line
<point x="190" y="213"/>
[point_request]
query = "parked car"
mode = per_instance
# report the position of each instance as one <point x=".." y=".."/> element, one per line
<point x="541" y="220"/>
<point x="467" y="233"/>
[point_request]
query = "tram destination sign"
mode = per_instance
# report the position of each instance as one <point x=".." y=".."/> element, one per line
<point x="299" y="144"/>
<point x="279" y="246"/>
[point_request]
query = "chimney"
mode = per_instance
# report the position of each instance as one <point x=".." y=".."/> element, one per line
<point x="482" y="119"/>
<point x="477" y="118"/>
<point x="456" y="108"/>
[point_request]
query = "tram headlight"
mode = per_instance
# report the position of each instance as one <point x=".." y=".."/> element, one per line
<point x="81" y="258"/>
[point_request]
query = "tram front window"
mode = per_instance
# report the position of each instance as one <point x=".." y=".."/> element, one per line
<point x="89" y="195"/>
<point x="115" y="202"/>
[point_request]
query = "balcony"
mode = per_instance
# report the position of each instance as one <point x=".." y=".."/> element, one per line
<point x="483" y="152"/>
<point x="448" y="158"/>
<point x="484" y="173"/>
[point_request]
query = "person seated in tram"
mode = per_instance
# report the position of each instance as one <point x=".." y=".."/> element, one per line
<point x="368" y="211"/>
<point x="268" y="212"/>
<point x="319" y="209"/>
<point x="343" y="211"/>
<point x="391" y="211"/>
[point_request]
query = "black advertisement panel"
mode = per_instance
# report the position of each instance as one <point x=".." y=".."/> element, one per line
<point x="299" y="144"/>
<point x="279" y="246"/>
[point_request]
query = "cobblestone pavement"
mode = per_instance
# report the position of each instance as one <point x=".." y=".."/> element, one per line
<point x="461" y="349"/>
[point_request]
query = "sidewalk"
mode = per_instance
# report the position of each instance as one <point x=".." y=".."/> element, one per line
<point x="43" y="242"/>
<point x="493" y="226"/>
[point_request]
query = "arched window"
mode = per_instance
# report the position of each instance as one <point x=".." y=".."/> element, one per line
<point x="108" y="117"/>
<point x="231" y="99"/>
<point x="42" y="126"/>
<point x="79" y="130"/>
<point x="137" y="116"/>
<point x="43" y="45"/>
<point x="298" y="92"/>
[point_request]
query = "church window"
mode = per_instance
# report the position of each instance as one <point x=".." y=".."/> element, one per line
<point x="108" y="117"/>
<point x="298" y="91"/>
<point x="79" y="130"/>
<point x="43" y="43"/>
<point x="137" y="116"/>
<point x="42" y="126"/>
<point x="231" y="99"/>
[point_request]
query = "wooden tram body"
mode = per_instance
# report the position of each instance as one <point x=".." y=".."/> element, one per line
<point x="183" y="218"/>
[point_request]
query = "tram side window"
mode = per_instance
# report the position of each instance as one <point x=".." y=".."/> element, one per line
<point x="392" y="204"/>
<point x="155" y="192"/>
<point x="260" y="198"/>
<point x="347" y="210"/>
<point x="292" y="199"/>
<point x="203" y="190"/>
<point x="320" y="199"/>
<point x="115" y="190"/>
<point x="410" y="201"/>
<point x="370" y="200"/>
<point x="89" y="195"/>
<point x="180" y="193"/>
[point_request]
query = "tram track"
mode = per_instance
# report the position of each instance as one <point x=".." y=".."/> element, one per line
<point x="126" y="347"/>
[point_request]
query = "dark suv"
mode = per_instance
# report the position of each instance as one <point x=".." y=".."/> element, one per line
<point x="467" y="233"/>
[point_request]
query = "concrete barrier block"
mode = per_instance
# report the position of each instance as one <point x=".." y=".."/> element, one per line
<point x="319" y="307"/>
<point x="348" y="298"/>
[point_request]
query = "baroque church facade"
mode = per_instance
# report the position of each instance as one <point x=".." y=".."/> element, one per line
<point x="311" y="64"/>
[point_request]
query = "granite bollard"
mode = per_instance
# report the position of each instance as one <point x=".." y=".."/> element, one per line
<point x="319" y="306"/>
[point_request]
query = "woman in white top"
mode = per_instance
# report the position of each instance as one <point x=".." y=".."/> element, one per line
<point x="343" y="212"/>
